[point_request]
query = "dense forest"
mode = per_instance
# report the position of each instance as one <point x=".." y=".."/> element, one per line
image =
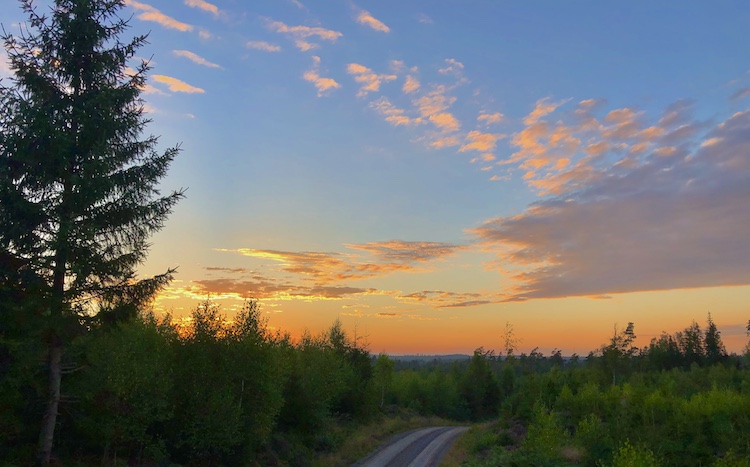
<point x="88" y="375"/>
<point x="225" y="391"/>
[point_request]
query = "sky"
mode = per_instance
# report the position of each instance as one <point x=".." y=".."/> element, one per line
<point x="428" y="172"/>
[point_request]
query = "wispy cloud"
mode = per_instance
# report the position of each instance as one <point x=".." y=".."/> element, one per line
<point x="364" y="17"/>
<point x="195" y="58"/>
<point x="408" y="252"/>
<point x="260" y="288"/>
<point x="382" y="258"/>
<point x="393" y="114"/>
<point x="299" y="34"/>
<point x="563" y="154"/>
<point x="203" y="5"/>
<point x="672" y="215"/>
<point x="482" y="142"/>
<point x="490" y="118"/>
<point x="305" y="46"/>
<point x="175" y="85"/>
<point x="444" y="299"/>
<point x="741" y="94"/>
<point x="262" y="45"/>
<point x="410" y="85"/>
<point x="452" y="66"/>
<point x="152" y="14"/>
<point x="369" y="80"/>
<point x="323" y="85"/>
<point x="424" y="19"/>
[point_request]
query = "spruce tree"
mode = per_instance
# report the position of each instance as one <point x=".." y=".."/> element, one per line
<point x="78" y="182"/>
<point x="715" y="350"/>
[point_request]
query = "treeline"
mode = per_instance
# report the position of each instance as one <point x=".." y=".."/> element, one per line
<point x="142" y="390"/>
<point x="681" y="400"/>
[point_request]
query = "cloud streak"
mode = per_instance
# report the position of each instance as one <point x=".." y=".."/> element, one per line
<point x="263" y="45"/>
<point x="150" y="13"/>
<point x="203" y="5"/>
<point x="300" y="34"/>
<point x="176" y="85"/>
<point x="364" y="17"/>
<point x="197" y="59"/>
<point x="384" y="258"/>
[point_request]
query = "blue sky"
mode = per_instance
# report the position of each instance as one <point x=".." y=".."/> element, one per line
<point x="430" y="170"/>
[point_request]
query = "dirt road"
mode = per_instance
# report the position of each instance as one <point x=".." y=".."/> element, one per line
<point x="417" y="448"/>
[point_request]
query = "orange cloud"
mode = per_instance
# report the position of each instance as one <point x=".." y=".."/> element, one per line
<point x="543" y="107"/>
<point x="370" y="81"/>
<point x="387" y="257"/>
<point x="445" y="142"/>
<point x="490" y="118"/>
<point x="195" y="58"/>
<point x="410" y="85"/>
<point x="364" y="17"/>
<point x="203" y="5"/>
<point x="443" y="299"/>
<point x="322" y="84"/>
<point x="152" y="14"/>
<point x="434" y="102"/>
<point x="262" y="45"/>
<point x="393" y="114"/>
<point x="445" y="121"/>
<point x="611" y="228"/>
<point x="175" y="85"/>
<point x="482" y="142"/>
<point x="300" y="33"/>
<point x="305" y="46"/>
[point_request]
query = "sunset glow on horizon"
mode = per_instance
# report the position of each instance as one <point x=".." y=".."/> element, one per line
<point x="428" y="171"/>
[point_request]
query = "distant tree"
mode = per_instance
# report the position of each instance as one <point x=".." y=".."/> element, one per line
<point x="663" y="353"/>
<point x="383" y="374"/>
<point x="78" y="196"/>
<point x="619" y="350"/>
<point x="715" y="350"/>
<point x="510" y="341"/>
<point x="691" y="343"/>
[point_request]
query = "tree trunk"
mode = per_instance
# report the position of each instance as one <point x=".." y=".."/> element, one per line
<point x="49" y="421"/>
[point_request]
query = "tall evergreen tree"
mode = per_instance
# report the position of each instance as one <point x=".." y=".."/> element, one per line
<point x="78" y="183"/>
<point x="715" y="350"/>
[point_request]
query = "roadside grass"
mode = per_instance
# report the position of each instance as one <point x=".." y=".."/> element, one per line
<point x="360" y="440"/>
<point x="469" y="444"/>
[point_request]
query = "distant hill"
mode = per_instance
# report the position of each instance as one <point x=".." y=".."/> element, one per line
<point x="430" y="358"/>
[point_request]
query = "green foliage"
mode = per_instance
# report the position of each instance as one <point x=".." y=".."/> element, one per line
<point x="634" y="456"/>
<point x="383" y="375"/>
<point x="125" y="388"/>
<point x="228" y="386"/>
<point x="479" y="387"/>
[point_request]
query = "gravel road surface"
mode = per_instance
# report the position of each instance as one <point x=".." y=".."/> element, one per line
<point x="424" y="447"/>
